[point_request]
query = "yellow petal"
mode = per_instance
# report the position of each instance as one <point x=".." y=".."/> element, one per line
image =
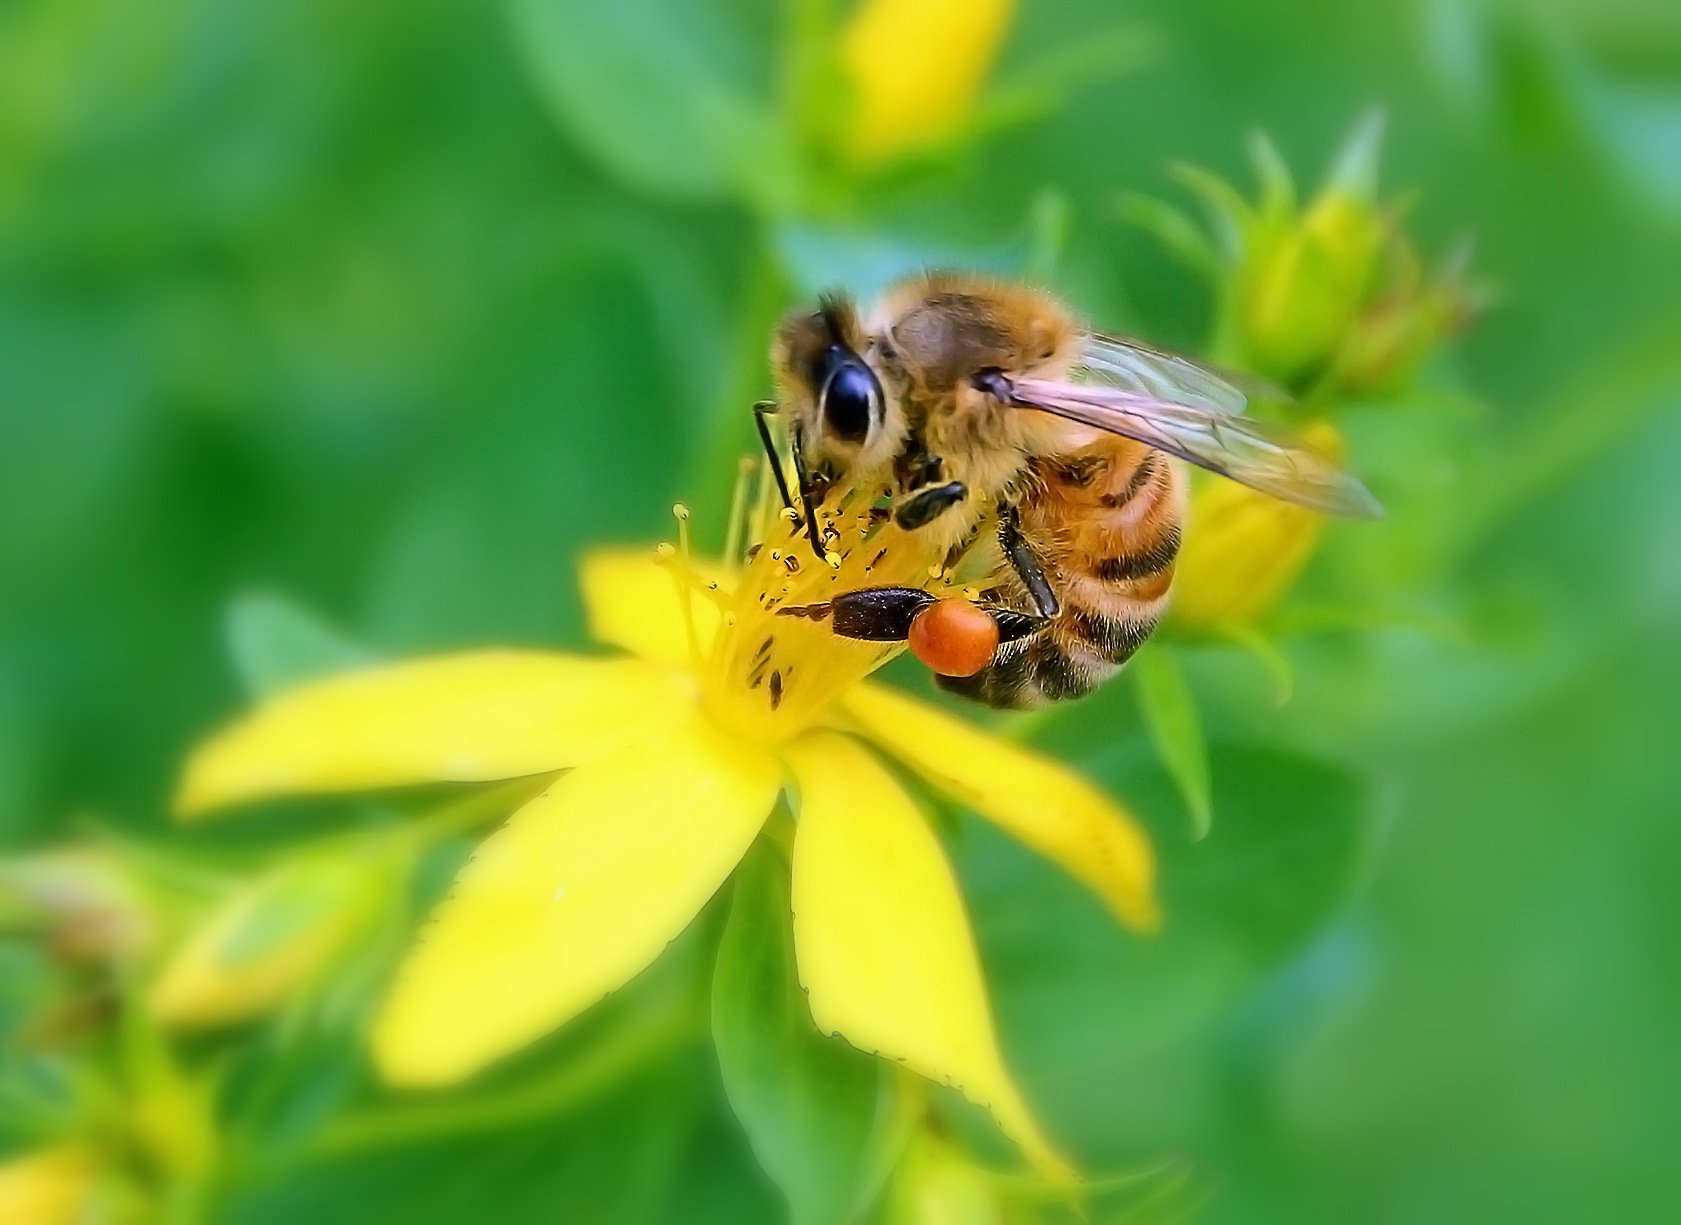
<point x="632" y="601"/>
<point x="575" y="895"/>
<point x="456" y="718"/>
<point x="1041" y="802"/>
<point x="915" y="68"/>
<point x="882" y="940"/>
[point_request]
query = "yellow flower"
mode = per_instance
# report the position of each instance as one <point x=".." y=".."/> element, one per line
<point x="1243" y="549"/>
<point x="676" y="757"/>
<point x="53" y="1186"/>
<point x="91" y="903"/>
<point x="937" y="1185"/>
<point x="915" y="68"/>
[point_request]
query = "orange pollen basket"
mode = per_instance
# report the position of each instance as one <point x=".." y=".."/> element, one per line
<point x="953" y="637"/>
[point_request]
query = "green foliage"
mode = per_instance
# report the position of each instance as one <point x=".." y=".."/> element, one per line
<point x="819" y="1114"/>
<point x="1170" y="717"/>
<point x="394" y="310"/>
<point x="1087" y="1001"/>
<point x="275" y="643"/>
<point x="672" y="98"/>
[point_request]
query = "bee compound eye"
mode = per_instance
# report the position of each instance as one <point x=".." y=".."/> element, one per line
<point x="850" y="398"/>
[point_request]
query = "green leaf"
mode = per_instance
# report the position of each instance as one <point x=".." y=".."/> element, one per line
<point x="1170" y="716"/>
<point x="815" y="1110"/>
<point x="276" y="643"/>
<point x="1080" y="1001"/>
<point x="645" y="1151"/>
<point x="292" y="901"/>
<point x="1042" y="87"/>
<point x="658" y="93"/>
<point x="1265" y="652"/>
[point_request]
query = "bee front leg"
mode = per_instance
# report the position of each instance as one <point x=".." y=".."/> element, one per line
<point x="926" y="505"/>
<point x="811" y="484"/>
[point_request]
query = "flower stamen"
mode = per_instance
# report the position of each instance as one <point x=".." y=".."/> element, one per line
<point x="735" y="530"/>
<point x="681" y="561"/>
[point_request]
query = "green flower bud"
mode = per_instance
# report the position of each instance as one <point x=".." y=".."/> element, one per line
<point x="269" y="939"/>
<point x="1324" y="299"/>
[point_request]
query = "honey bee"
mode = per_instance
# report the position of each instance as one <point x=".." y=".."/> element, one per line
<point x="1029" y="450"/>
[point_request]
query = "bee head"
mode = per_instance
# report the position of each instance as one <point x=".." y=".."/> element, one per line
<point x="834" y="398"/>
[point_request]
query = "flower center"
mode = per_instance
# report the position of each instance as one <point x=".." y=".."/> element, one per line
<point x="770" y="675"/>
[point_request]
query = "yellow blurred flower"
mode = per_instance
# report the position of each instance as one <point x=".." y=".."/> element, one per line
<point x="269" y="940"/>
<point x="91" y="903"/>
<point x="914" y="68"/>
<point x="1243" y="549"/>
<point x="53" y="1186"/>
<point x="936" y="1184"/>
<point x="676" y="756"/>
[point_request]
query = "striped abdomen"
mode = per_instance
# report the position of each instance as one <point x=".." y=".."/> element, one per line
<point x="1104" y="522"/>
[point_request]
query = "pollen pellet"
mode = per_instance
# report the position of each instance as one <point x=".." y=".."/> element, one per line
<point x="953" y="637"/>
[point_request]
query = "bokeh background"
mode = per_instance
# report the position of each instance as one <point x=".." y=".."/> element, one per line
<point x="365" y="321"/>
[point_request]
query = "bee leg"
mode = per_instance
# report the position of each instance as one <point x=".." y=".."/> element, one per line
<point x="926" y="505"/>
<point x="1013" y="625"/>
<point x="811" y="487"/>
<point x="761" y="410"/>
<point x="870" y="614"/>
<point x="810" y="495"/>
<point x="1023" y="561"/>
<point x="884" y="614"/>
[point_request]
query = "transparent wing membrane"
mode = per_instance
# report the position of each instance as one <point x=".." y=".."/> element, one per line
<point x="1128" y="365"/>
<point x="1204" y="434"/>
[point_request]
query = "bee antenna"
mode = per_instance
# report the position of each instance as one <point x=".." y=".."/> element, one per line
<point x="836" y="310"/>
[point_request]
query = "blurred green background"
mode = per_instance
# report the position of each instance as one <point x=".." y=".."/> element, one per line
<point x="390" y="312"/>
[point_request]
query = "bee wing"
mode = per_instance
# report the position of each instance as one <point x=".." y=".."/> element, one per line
<point x="1132" y="366"/>
<point x="1248" y="452"/>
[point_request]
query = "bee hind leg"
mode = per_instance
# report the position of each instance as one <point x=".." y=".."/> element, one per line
<point x="885" y="614"/>
<point x="1025" y="562"/>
